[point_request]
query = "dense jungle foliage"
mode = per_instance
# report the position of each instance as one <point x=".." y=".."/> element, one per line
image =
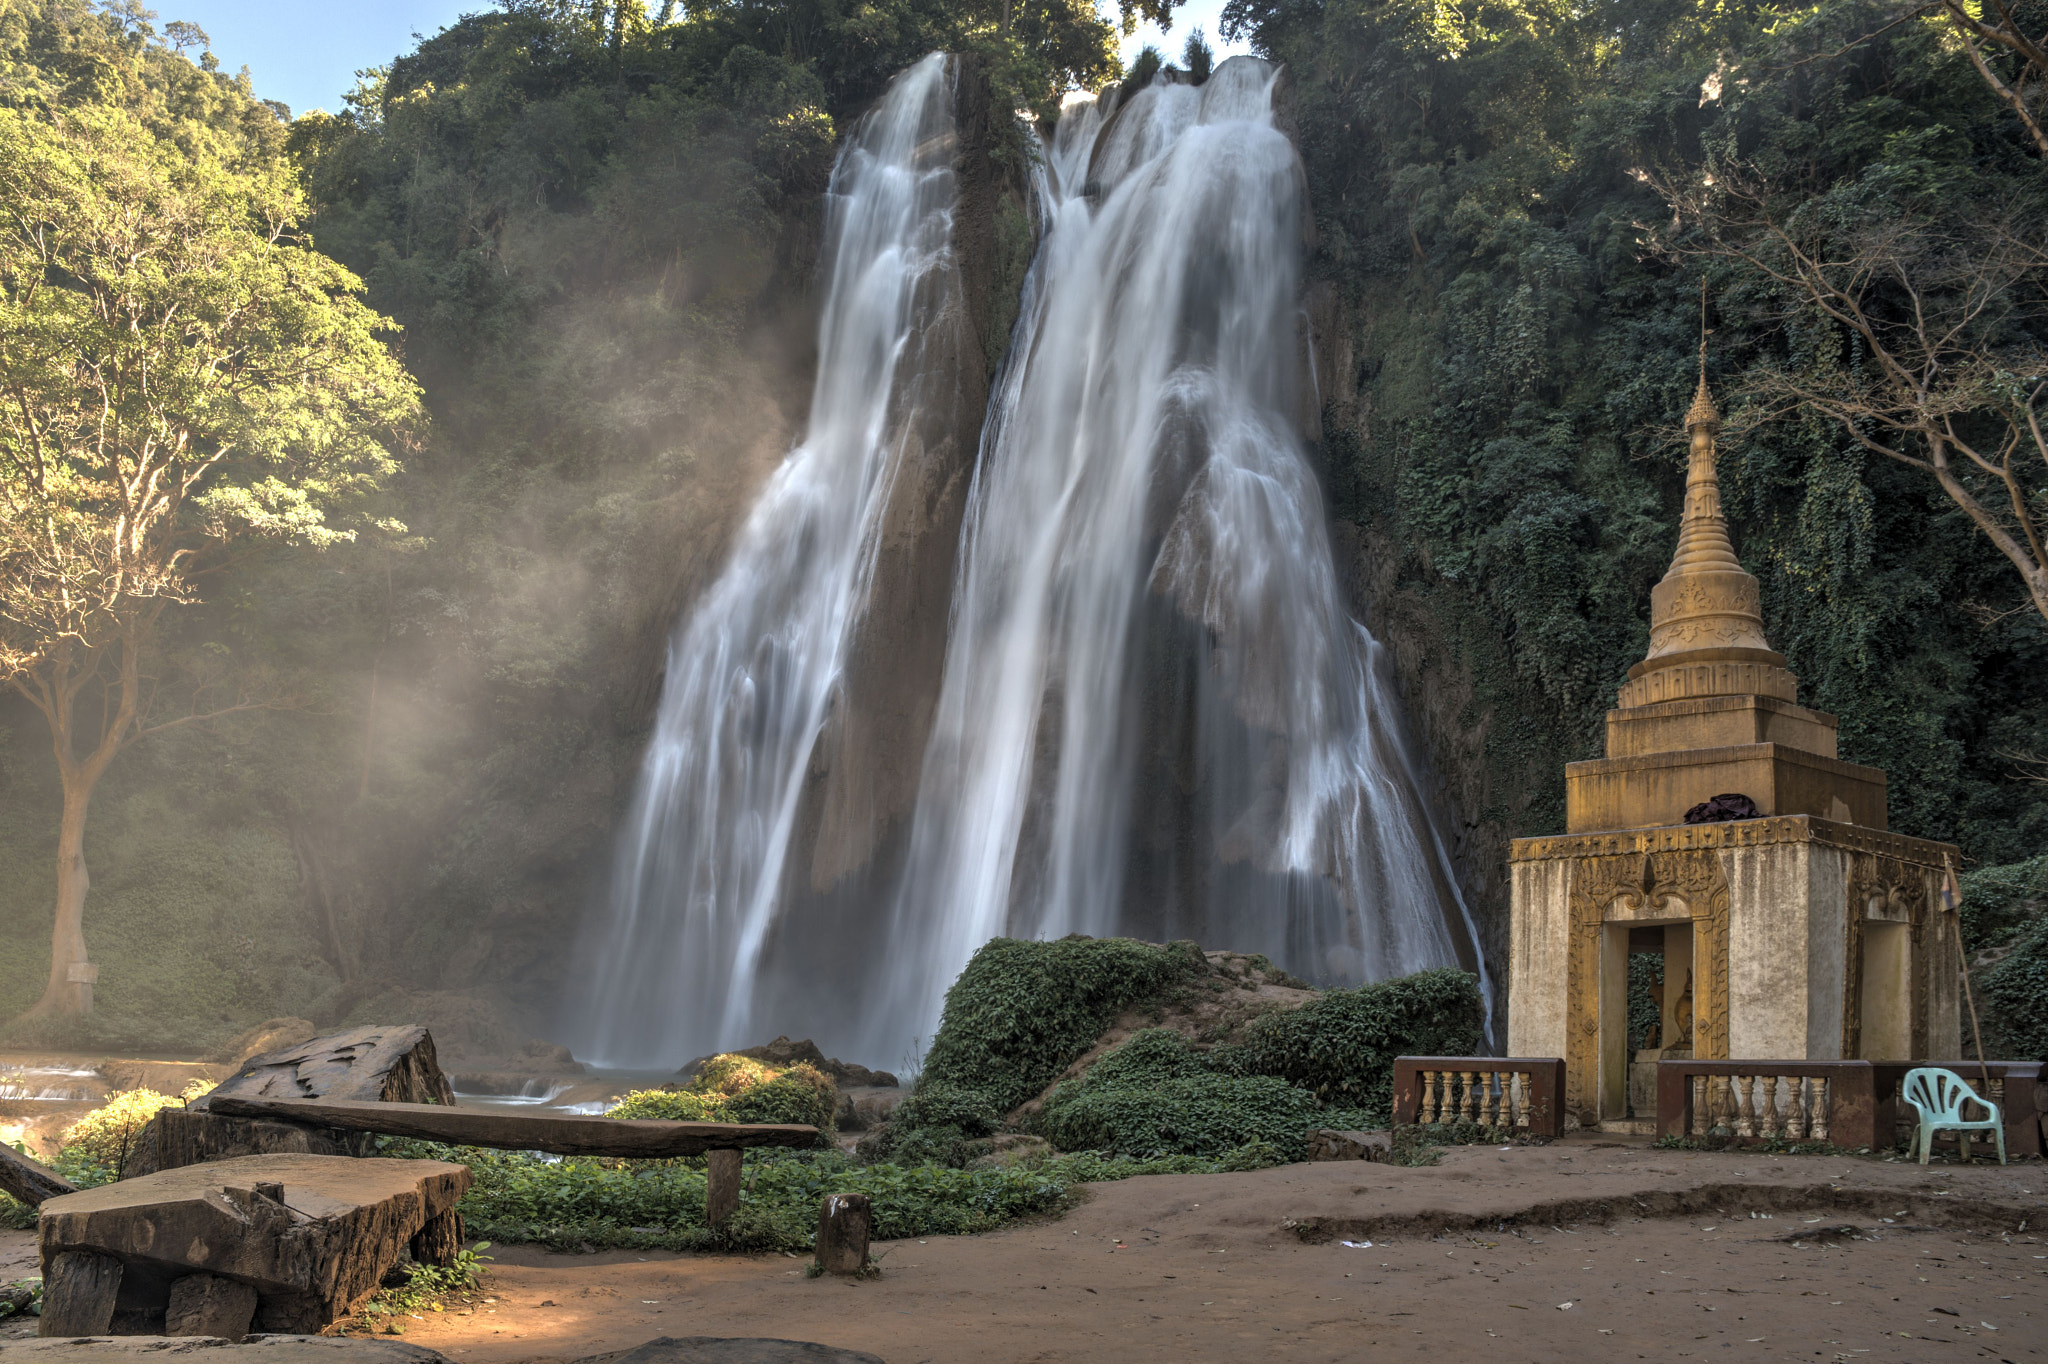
<point x="597" y="234"/>
<point x="1489" y="186"/>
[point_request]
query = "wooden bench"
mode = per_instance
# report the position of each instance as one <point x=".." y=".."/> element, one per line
<point x="556" y="1134"/>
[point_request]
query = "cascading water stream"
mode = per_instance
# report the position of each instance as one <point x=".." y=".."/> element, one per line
<point x="1157" y="716"/>
<point x="752" y="667"/>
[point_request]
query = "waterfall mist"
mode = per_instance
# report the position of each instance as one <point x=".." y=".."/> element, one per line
<point x="1156" y="716"/>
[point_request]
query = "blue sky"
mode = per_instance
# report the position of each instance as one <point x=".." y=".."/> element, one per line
<point x="306" y="54"/>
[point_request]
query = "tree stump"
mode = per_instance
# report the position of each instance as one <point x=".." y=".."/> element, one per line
<point x="79" y="1289"/>
<point x="844" y="1221"/>
<point x="721" y="1186"/>
<point x="208" y="1305"/>
<point x="440" y="1240"/>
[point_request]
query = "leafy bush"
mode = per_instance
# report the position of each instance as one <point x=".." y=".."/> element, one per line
<point x="803" y="1093"/>
<point x="1156" y="1095"/>
<point x="1023" y="1011"/>
<point x="669" y="1105"/>
<point x="936" y="1103"/>
<point x="2012" y="1000"/>
<point x="96" y="1148"/>
<point x="2000" y="901"/>
<point x="729" y="1074"/>
<point x="738" y="1089"/>
<point x="1341" y="1047"/>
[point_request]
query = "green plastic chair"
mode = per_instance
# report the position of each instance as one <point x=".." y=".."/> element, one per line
<point x="1940" y="1095"/>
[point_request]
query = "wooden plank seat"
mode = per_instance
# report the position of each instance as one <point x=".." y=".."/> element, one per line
<point x="284" y="1243"/>
<point x="557" y="1134"/>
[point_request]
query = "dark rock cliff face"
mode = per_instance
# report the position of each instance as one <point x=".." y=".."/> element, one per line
<point x="864" y="771"/>
<point x="1486" y="798"/>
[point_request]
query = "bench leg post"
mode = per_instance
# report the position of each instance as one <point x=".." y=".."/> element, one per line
<point x="722" y="1186"/>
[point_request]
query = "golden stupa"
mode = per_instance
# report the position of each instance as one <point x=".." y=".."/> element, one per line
<point x="1790" y="924"/>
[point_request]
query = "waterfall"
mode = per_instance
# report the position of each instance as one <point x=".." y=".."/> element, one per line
<point x="1156" y="715"/>
<point x="752" y="667"/>
<point x="1158" y="718"/>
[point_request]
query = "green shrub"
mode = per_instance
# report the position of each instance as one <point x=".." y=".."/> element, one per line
<point x="803" y="1093"/>
<point x="1341" y="1046"/>
<point x="1196" y="1115"/>
<point x="1154" y="1095"/>
<point x="1023" y="1011"/>
<point x="2012" y="1000"/>
<point x="669" y="1105"/>
<point x="937" y="1103"/>
<point x="720" y="1093"/>
<point x="2000" y="901"/>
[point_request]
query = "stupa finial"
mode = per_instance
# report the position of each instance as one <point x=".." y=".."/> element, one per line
<point x="1703" y="412"/>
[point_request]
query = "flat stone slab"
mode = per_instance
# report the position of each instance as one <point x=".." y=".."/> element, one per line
<point x="732" y="1350"/>
<point x="214" y="1350"/>
<point x="311" y="1234"/>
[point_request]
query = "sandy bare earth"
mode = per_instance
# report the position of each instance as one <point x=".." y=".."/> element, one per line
<point x="1584" y="1250"/>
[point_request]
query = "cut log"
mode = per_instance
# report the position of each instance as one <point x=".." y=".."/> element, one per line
<point x="380" y="1063"/>
<point x="80" y="1289"/>
<point x="559" y="1134"/>
<point x="208" y="1305"/>
<point x="721" y="1186"/>
<point x="31" y="1181"/>
<point x="341" y="1225"/>
<point x="844" y="1221"/>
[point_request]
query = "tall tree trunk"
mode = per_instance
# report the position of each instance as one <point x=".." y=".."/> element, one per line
<point x="63" y="995"/>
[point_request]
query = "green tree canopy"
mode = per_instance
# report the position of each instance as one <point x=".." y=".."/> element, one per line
<point x="182" y="375"/>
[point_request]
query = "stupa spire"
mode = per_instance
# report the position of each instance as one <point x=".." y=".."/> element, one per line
<point x="1706" y="600"/>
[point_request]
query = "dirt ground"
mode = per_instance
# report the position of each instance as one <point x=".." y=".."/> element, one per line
<point x="1584" y="1250"/>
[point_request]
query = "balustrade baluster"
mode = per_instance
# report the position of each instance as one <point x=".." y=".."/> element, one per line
<point x="1745" y="1107"/>
<point x="1426" y="1111"/>
<point x="1817" y="1114"/>
<point x="1465" y="1109"/>
<point x="1524" y="1081"/>
<point x="1795" y="1108"/>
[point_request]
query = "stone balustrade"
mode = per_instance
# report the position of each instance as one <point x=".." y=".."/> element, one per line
<point x="1519" y="1093"/>
<point x="1853" y="1104"/>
